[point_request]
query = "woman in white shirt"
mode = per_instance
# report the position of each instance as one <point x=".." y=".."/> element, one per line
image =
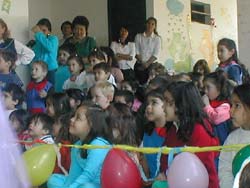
<point x="147" y="45"/>
<point x="124" y="51"/>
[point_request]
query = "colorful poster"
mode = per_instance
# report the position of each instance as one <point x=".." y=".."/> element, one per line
<point x="6" y="6"/>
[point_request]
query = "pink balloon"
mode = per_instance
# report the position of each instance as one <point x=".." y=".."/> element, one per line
<point x="187" y="171"/>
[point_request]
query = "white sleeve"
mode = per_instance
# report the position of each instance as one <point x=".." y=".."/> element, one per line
<point x="137" y="44"/>
<point x="24" y="54"/>
<point x="157" y="47"/>
<point x="225" y="166"/>
<point x="113" y="47"/>
<point x="132" y="49"/>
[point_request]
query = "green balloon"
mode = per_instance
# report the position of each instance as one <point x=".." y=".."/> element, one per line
<point x="239" y="158"/>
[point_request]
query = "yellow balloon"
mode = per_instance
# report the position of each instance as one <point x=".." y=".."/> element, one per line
<point x="40" y="163"/>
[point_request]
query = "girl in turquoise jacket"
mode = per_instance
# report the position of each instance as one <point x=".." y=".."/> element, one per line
<point x="88" y="124"/>
<point x="46" y="47"/>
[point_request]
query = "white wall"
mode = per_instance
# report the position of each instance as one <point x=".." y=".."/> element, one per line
<point x="244" y="31"/>
<point x="183" y="41"/>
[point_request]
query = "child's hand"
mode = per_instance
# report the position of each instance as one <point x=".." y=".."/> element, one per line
<point x="205" y="100"/>
<point x="36" y="29"/>
<point x="43" y="94"/>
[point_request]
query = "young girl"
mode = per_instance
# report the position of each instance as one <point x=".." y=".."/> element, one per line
<point x="88" y="124"/>
<point x="63" y="73"/>
<point x="79" y="78"/>
<point x="201" y="66"/>
<point x="57" y="104"/>
<point x="155" y="131"/>
<point x="216" y="100"/>
<point x="229" y="62"/>
<point x="46" y="47"/>
<point x="188" y="126"/>
<point x="61" y="135"/>
<point x="239" y="112"/>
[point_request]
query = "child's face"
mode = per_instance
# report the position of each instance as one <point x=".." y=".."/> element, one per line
<point x="10" y="104"/>
<point x="99" y="98"/>
<point x="44" y="29"/>
<point x="79" y="125"/>
<point x="94" y="61"/>
<point x="224" y="53"/>
<point x="123" y="33"/>
<point x="4" y="65"/>
<point x="101" y="75"/>
<point x="66" y="30"/>
<point x="239" y="113"/>
<point x="200" y="69"/>
<point x="50" y="108"/>
<point x="36" y="129"/>
<point x="74" y="67"/>
<point x="73" y="103"/>
<point x="169" y="107"/>
<point x="211" y="90"/>
<point x="79" y="32"/>
<point x="37" y="73"/>
<point x="155" y="109"/>
<point x="126" y="86"/>
<point x="150" y="26"/>
<point x="63" y="57"/>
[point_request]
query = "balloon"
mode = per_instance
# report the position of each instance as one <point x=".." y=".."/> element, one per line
<point x="240" y="158"/>
<point x="187" y="171"/>
<point x="119" y="171"/>
<point x="40" y="163"/>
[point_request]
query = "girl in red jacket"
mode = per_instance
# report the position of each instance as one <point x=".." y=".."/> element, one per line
<point x="187" y="125"/>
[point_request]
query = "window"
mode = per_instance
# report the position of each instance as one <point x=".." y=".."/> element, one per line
<point x="200" y="12"/>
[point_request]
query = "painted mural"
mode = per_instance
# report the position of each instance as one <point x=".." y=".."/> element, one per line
<point x="185" y="42"/>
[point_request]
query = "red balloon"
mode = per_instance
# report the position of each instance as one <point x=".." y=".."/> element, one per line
<point x="120" y="171"/>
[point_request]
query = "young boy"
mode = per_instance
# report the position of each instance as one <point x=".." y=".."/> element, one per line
<point x="13" y="97"/>
<point x="63" y="73"/>
<point x="102" y="72"/>
<point x="7" y="62"/>
<point x="38" y="88"/>
<point x="40" y="129"/>
<point x="102" y="93"/>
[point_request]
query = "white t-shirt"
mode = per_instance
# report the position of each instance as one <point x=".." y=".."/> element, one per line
<point x="128" y="49"/>
<point x="82" y="81"/>
<point x="147" y="46"/>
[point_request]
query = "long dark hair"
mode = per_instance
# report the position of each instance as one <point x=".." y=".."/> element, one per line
<point x="64" y="135"/>
<point x="230" y="45"/>
<point x="189" y="108"/>
<point x="121" y="118"/>
<point x="128" y="39"/>
<point x="96" y="118"/>
<point x="6" y="33"/>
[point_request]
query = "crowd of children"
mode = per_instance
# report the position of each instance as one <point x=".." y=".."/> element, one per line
<point x="80" y="94"/>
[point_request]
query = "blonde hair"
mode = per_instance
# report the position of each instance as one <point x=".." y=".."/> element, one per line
<point x="106" y="88"/>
